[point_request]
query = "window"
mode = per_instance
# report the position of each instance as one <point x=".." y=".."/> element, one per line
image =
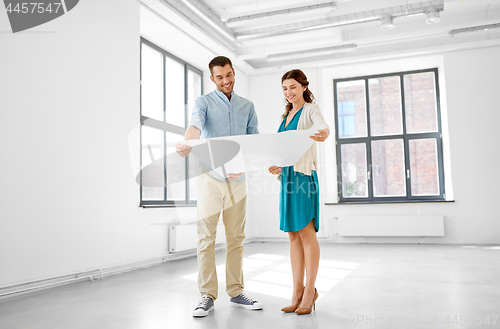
<point x="169" y="87"/>
<point x="346" y="118"/>
<point x="388" y="137"/>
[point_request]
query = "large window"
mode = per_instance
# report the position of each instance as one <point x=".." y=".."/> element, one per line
<point x="389" y="142"/>
<point x="169" y="87"/>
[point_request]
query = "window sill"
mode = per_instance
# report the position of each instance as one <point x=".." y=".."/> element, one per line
<point x="167" y="205"/>
<point x="387" y="202"/>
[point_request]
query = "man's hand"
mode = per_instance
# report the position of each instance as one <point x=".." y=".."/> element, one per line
<point x="234" y="176"/>
<point x="191" y="133"/>
<point x="321" y="135"/>
<point x="275" y="170"/>
<point x="183" y="150"/>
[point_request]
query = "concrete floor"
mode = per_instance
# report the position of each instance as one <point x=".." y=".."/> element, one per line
<point x="360" y="286"/>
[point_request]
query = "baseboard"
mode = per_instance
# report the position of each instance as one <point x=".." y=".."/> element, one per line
<point x="23" y="288"/>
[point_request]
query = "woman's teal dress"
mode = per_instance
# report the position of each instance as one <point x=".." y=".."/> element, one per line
<point x="299" y="195"/>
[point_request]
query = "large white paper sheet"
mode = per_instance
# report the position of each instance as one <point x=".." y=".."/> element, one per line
<point x="255" y="152"/>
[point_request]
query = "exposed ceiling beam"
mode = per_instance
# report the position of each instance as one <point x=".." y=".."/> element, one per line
<point x="381" y="56"/>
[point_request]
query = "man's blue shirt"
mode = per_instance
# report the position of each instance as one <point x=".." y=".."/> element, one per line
<point x="215" y="116"/>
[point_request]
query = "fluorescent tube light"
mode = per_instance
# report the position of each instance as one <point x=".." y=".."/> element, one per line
<point x="474" y="29"/>
<point x="208" y="20"/>
<point x="311" y="53"/>
<point x="323" y="7"/>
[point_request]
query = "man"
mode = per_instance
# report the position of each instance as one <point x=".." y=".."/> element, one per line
<point x="221" y="113"/>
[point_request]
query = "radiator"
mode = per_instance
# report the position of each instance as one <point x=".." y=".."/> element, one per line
<point x="185" y="237"/>
<point x="398" y="226"/>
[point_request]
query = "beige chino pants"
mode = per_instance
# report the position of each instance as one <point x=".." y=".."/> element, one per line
<point x="215" y="196"/>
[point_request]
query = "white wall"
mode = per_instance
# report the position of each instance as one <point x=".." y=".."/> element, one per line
<point x="470" y="103"/>
<point x="69" y="100"/>
<point x="69" y="104"/>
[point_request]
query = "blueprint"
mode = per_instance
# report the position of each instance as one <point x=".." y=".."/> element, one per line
<point x="244" y="153"/>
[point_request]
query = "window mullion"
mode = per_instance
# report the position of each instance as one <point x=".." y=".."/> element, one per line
<point x="337" y="144"/>
<point x="440" y="166"/>
<point x="439" y="137"/>
<point x="405" y="139"/>
<point x="368" y="144"/>
<point x="369" y="167"/>
<point x="164" y="164"/>
<point x="186" y="164"/>
<point x="340" y="182"/>
<point x="407" y="167"/>
<point x="140" y="126"/>
<point x="403" y="103"/>
<point x="140" y="164"/>
<point x="164" y="135"/>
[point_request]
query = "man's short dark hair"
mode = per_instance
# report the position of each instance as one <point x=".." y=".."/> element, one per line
<point x="219" y="61"/>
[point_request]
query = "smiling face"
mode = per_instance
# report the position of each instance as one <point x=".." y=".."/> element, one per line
<point x="293" y="91"/>
<point x="223" y="77"/>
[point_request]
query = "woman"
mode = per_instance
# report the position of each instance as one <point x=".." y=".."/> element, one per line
<point x="299" y="196"/>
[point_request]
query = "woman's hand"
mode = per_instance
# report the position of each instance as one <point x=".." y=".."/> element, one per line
<point x="234" y="176"/>
<point x="275" y="170"/>
<point x="321" y="135"/>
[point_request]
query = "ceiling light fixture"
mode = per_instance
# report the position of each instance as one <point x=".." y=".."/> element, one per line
<point x="322" y="7"/>
<point x="387" y="22"/>
<point x="311" y="53"/>
<point x="432" y="16"/>
<point x="220" y="28"/>
<point x="474" y="29"/>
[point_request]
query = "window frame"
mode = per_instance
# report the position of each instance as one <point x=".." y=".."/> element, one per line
<point x="406" y="137"/>
<point x="166" y="128"/>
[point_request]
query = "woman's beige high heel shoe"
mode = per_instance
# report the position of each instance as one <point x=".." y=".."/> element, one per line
<point x="304" y="310"/>
<point x="292" y="308"/>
